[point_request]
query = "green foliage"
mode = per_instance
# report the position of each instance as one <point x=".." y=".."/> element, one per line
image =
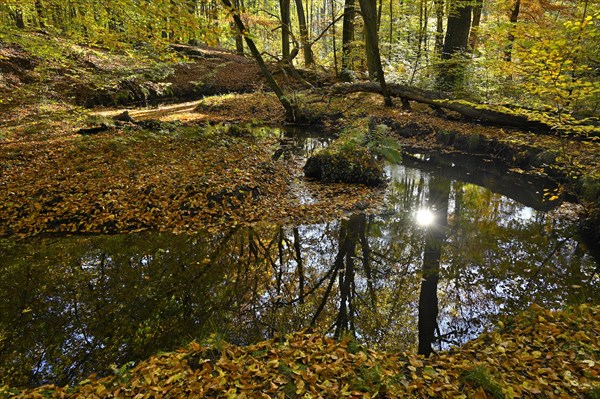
<point x="593" y="393"/>
<point x="357" y="156"/>
<point x="481" y="378"/>
<point x="368" y="379"/>
<point x="382" y="145"/>
<point x="346" y="166"/>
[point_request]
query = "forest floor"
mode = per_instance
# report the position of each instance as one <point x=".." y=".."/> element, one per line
<point x="536" y="354"/>
<point x="182" y="167"/>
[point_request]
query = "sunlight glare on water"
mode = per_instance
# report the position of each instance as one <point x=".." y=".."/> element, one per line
<point x="424" y="217"/>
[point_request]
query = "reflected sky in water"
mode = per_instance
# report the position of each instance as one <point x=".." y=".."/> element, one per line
<point x="75" y="305"/>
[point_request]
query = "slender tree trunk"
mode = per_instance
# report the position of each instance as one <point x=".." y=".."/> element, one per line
<point x="473" y="35"/>
<point x="368" y="10"/>
<point x="391" y="32"/>
<point x="284" y="6"/>
<point x="439" y="26"/>
<point x="333" y="35"/>
<point x="347" y="39"/>
<point x="39" y="10"/>
<point x="291" y="110"/>
<point x="309" y="58"/>
<point x="239" y="38"/>
<point x="17" y="16"/>
<point x="514" y="16"/>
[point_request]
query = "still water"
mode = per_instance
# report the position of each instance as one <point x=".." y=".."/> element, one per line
<point x="75" y="305"/>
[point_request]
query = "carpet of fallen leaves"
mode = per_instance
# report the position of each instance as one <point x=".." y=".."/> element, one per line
<point x="539" y="353"/>
<point x="180" y="179"/>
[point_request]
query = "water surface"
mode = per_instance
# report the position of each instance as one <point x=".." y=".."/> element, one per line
<point x="75" y="305"/>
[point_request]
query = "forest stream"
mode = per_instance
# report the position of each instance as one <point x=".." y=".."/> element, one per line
<point x="448" y="244"/>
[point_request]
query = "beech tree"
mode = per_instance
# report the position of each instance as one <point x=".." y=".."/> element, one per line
<point x="455" y="44"/>
<point x="369" y="12"/>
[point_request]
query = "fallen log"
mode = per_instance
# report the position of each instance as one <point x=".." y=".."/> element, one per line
<point x="93" y="130"/>
<point x="475" y="112"/>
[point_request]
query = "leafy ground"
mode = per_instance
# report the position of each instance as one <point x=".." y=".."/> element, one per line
<point x="174" y="178"/>
<point x="537" y="354"/>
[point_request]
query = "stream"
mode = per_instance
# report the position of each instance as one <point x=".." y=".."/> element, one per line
<point x="460" y="242"/>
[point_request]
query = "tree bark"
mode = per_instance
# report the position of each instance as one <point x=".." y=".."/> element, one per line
<point x="368" y="10"/>
<point x="39" y="10"/>
<point x="514" y="16"/>
<point x="347" y="39"/>
<point x="239" y="38"/>
<point x="309" y="58"/>
<point x="370" y="26"/>
<point x="284" y="6"/>
<point x="17" y="16"/>
<point x="455" y="43"/>
<point x="474" y="33"/>
<point x="439" y="26"/>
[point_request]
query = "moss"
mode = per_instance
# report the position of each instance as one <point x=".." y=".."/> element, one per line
<point x="590" y="188"/>
<point x="357" y="156"/>
<point x="358" y="166"/>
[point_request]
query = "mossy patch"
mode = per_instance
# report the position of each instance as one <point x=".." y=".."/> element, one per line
<point x="358" y="166"/>
<point x="356" y="157"/>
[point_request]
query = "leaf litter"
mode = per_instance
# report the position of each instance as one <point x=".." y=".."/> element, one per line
<point x="538" y="353"/>
<point x="173" y="178"/>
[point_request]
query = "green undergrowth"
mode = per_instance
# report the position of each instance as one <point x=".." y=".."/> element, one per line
<point x="46" y="67"/>
<point x="538" y="353"/>
<point x="357" y="156"/>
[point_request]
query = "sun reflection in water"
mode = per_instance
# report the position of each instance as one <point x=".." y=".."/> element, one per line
<point x="424" y="217"/>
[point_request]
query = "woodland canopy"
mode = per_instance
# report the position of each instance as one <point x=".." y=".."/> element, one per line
<point x="540" y="56"/>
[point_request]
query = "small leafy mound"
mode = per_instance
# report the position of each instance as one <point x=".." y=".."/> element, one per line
<point x="356" y="166"/>
<point x="539" y="352"/>
<point x="356" y="157"/>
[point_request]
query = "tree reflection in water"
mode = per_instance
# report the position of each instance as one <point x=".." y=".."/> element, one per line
<point x="70" y="306"/>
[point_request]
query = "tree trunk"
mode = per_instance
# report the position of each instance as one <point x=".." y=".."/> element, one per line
<point x="333" y="35"/>
<point x="514" y="16"/>
<point x="368" y="10"/>
<point x="347" y="39"/>
<point x="39" y="10"/>
<point x="309" y="58"/>
<point x="17" y="16"/>
<point x="239" y="38"/>
<point x="284" y="6"/>
<point x="292" y="113"/>
<point x="455" y="43"/>
<point x="369" y="49"/>
<point x="439" y="26"/>
<point x="473" y="35"/>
